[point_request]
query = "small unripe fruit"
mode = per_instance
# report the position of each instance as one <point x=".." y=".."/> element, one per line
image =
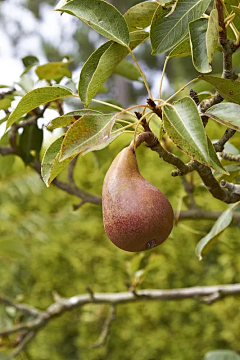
<point x="136" y="215"/>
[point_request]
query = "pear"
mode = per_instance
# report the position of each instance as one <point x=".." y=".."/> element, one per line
<point x="136" y="215"/>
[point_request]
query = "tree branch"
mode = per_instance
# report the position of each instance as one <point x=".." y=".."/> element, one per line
<point x="203" y="214"/>
<point x="206" y="294"/>
<point x="204" y="171"/>
<point x="219" y="146"/>
<point x="30" y="310"/>
<point x="230" y="157"/>
<point x="235" y="189"/>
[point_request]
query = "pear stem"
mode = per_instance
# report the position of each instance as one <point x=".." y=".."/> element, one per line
<point x="148" y="137"/>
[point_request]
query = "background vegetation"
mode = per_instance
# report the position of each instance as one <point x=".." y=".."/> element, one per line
<point x="45" y="246"/>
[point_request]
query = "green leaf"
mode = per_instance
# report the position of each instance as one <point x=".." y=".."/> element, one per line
<point x="30" y="60"/>
<point x="140" y="15"/>
<point x="35" y="98"/>
<point x="26" y="83"/>
<point x="4" y="119"/>
<point x="12" y="249"/>
<point x="184" y="146"/>
<point x="5" y="103"/>
<point x="212" y="35"/>
<point x="69" y="118"/>
<point x="228" y="89"/>
<point x="214" y="161"/>
<point x="51" y="166"/>
<point x="107" y="142"/>
<point x="236" y="10"/>
<point x="185" y="119"/>
<point x="168" y="31"/>
<point x="99" y="15"/>
<point x="101" y="64"/>
<point x="6" y="162"/>
<point x="30" y="140"/>
<point x="85" y="133"/>
<point x="88" y="70"/>
<point x="197" y="31"/>
<point x="128" y="70"/>
<point x="226" y="113"/>
<point x="222" y="355"/>
<point x="232" y="5"/>
<point x="182" y="49"/>
<point x="53" y="71"/>
<point x="220" y="225"/>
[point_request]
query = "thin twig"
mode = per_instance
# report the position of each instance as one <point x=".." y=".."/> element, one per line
<point x="106" y="327"/>
<point x="23" y="344"/>
<point x="71" y="167"/>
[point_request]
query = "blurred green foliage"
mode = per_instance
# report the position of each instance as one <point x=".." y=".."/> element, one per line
<point x="45" y="246"/>
<point x="57" y="249"/>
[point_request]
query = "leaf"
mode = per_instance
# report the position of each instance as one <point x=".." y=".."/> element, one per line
<point x="101" y="64"/>
<point x="30" y="140"/>
<point x="35" y="98"/>
<point x="51" y="166"/>
<point x="220" y="225"/>
<point x="182" y="49"/>
<point x="12" y="249"/>
<point x="236" y="10"/>
<point x="185" y="119"/>
<point x="106" y="142"/>
<point x="228" y="89"/>
<point x="168" y="31"/>
<point x="30" y="60"/>
<point x="53" y="71"/>
<point x="6" y="162"/>
<point x="184" y="146"/>
<point x="69" y="118"/>
<point x="222" y="355"/>
<point x="226" y="113"/>
<point x="26" y="83"/>
<point x="140" y="15"/>
<point x="4" y="119"/>
<point x="101" y="16"/>
<point x="197" y="31"/>
<point x="212" y="35"/>
<point x="214" y="161"/>
<point x="128" y="70"/>
<point x="85" y="133"/>
<point x="5" y="103"/>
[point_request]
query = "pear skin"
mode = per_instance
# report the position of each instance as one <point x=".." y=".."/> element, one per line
<point x="136" y="215"/>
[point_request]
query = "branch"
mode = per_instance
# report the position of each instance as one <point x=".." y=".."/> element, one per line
<point x="204" y="171"/>
<point x="230" y="157"/>
<point x="71" y="188"/>
<point x="71" y="167"/>
<point x="74" y="190"/>
<point x="235" y="189"/>
<point x="227" y="45"/>
<point x="6" y="150"/>
<point x="20" y="307"/>
<point x="206" y="294"/>
<point x="219" y="146"/>
<point x="203" y="214"/>
<point x="106" y="328"/>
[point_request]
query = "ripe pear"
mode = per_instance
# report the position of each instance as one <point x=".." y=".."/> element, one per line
<point x="136" y="215"/>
